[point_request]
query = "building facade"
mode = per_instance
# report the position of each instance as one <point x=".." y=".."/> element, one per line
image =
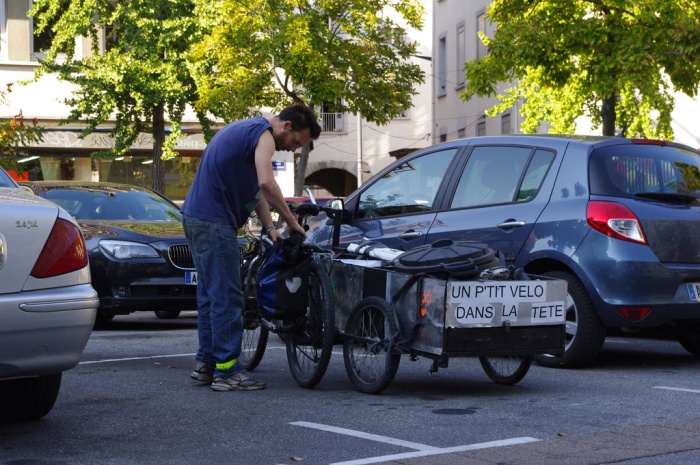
<point x="456" y="24"/>
<point x="349" y="150"/>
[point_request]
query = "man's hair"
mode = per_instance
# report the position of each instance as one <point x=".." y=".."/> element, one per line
<point x="301" y="117"/>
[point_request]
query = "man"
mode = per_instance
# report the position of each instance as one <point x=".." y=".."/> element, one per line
<point x="234" y="177"/>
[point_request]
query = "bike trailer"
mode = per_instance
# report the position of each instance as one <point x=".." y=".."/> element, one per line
<point x="442" y="307"/>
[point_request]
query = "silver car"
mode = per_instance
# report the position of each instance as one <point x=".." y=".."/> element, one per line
<point x="47" y="304"/>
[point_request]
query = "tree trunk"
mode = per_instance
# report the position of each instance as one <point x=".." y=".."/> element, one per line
<point x="300" y="174"/>
<point x="158" y="140"/>
<point x="607" y="114"/>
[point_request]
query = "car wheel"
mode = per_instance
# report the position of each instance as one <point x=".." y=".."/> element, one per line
<point x="167" y="314"/>
<point x="102" y="319"/>
<point x="690" y="342"/>
<point x="585" y="333"/>
<point x="28" y="399"/>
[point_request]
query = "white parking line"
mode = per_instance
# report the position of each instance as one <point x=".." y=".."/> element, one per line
<point x="668" y="388"/>
<point x="422" y="450"/>
<point x="363" y="435"/>
<point x="88" y="362"/>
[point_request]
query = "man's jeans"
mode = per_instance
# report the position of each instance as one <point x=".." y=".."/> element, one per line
<point x="219" y="300"/>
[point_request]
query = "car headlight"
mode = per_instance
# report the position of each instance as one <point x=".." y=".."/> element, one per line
<point x="123" y="249"/>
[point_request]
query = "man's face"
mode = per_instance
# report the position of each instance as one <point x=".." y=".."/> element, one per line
<point x="291" y="140"/>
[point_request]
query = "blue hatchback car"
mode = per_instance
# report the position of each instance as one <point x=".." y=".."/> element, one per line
<point x="618" y="219"/>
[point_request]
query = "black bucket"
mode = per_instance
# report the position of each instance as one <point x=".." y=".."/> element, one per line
<point x="445" y="259"/>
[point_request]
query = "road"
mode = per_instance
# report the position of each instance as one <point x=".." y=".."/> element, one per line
<point x="130" y="401"/>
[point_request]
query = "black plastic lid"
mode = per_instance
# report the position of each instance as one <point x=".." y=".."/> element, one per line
<point x="443" y="252"/>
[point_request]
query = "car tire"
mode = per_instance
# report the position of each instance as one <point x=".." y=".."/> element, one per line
<point x="585" y="333"/>
<point x="167" y="314"/>
<point x="102" y="319"/>
<point x="28" y="399"/>
<point x="690" y="342"/>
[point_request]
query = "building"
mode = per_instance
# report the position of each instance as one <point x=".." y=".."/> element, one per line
<point x="349" y="148"/>
<point x="456" y="24"/>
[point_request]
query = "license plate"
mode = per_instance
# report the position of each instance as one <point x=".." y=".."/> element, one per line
<point x="693" y="291"/>
<point x="191" y="278"/>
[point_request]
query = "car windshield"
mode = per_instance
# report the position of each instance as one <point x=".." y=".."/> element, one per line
<point x="115" y="204"/>
<point x="664" y="173"/>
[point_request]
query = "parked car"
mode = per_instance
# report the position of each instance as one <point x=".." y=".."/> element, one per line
<point x="618" y="219"/>
<point x="47" y="306"/>
<point x="139" y="258"/>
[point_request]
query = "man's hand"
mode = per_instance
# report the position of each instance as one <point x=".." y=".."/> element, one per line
<point x="294" y="228"/>
<point x="275" y="235"/>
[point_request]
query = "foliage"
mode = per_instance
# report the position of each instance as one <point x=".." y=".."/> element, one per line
<point x="142" y="74"/>
<point x="269" y="53"/>
<point x="15" y="133"/>
<point x="227" y="58"/>
<point x="348" y="55"/>
<point x="616" y="61"/>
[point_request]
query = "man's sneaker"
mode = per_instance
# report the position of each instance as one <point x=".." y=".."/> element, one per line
<point x="239" y="381"/>
<point x="203" y="373"/>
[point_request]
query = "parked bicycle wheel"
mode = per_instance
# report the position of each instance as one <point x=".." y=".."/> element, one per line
<point x="255" y="334"/>
<point x="369" y="361"/>
<point x="507" y="369"/>
<point x="310" y="343"/>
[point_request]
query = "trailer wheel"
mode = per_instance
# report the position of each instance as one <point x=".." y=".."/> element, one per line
<point x="507" y="369"/>
<point x="369" y="360"/>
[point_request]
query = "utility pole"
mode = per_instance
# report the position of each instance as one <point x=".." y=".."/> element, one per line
<point x="359" y="149"/>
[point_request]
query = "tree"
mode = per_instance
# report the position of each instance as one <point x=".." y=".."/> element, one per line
<point x="349" y="55"/>
<point x="139" y="77"/>
<point x="15" y="133"/>
<point x="616" y="61"/>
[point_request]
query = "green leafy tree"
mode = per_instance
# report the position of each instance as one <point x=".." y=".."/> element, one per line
<point x="616" y="61"/>
<point x="349" y="55"/>
<point x="15" y="133"/>
<point x="138" y="78"/>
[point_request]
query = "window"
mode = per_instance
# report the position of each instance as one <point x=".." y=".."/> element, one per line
<point x="442" y="67"/>
<point x="481" y="50"/>
<point x="42" y="41"/>
<point x="461" y="133"/>
<point x="411" y="187"/>
<point x="3" y="30"/>
<point x="505" y="124"/>
<point x="481" y="128"/>
<point x="646" y="171"/>
<point x="461" y="55"/>
<point x="492" y="176"/>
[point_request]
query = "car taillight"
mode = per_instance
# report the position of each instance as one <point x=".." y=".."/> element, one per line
<point x="615" y="220"/>
<point x="634" y="313"/>
<point x="63" y="252"/>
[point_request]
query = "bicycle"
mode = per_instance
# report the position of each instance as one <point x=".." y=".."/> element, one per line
<point x="309" y="338"/>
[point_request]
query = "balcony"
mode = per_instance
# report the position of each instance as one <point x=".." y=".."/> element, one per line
<point x="332" y="123"/>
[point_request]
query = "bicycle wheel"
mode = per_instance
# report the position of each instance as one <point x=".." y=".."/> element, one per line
<point x="370" y="364"/>
<point x="310" y="343"/>
<point x="507" y="369"/>
<point x="255" y="334"/>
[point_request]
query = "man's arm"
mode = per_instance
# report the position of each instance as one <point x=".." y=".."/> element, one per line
<point x="269" y="188"/>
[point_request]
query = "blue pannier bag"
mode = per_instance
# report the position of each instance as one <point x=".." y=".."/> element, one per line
<point x="283" y="280"/>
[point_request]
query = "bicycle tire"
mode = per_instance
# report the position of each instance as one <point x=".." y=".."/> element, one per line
<point x="507" y="369"/>
<point x="310" y="343"/>
<point x="255" y="334"/>
<point x="369" y="361"/>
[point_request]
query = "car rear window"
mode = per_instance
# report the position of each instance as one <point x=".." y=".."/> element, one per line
<point x="655" y="172"/>
<point x="6" y="180"/>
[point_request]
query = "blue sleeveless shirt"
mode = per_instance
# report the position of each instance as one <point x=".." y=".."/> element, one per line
<point x="225" y="187"/>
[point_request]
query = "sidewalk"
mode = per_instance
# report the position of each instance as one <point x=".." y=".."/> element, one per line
<point x="643" y="445"/>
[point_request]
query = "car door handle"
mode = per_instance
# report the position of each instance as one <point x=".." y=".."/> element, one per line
<point x="410" y="234"/>
<point x="510" y="224"/>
